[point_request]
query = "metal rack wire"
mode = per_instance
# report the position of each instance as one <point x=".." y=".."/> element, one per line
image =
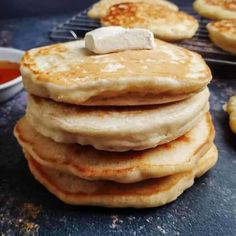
<point x="77" y="26"/>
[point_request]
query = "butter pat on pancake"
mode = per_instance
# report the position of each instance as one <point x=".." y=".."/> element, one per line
<point x="223" y="34"/>
<point x="166" y="24"/>
<point x="116" y="128"/>
<point x="128" y="167"/>
<point x="70" y="73"/>
<point x="100" y="8"/>
<point x="150" y="193"/>
<point x="216" y="9"/>
<point x="115" y="38"/>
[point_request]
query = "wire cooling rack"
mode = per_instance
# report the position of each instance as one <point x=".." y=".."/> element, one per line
<point x="77" y="26"/>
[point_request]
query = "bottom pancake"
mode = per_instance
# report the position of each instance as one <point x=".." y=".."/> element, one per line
<point x="149" y="193"/>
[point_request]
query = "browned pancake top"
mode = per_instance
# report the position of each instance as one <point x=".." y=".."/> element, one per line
<point x="229" y="5"/>
<point x="129" y="14"/>
<point x="71" y="64"/>
<point x="225" y="26"/>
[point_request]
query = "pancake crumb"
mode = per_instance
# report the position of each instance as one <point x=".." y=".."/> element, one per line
<point x="31" y="211"/>
<point x="21" y="221"/>
<point x="115" y="222"/>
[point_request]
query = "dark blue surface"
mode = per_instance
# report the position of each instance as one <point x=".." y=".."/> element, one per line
<point x="27" y="32"/>
<point x="208" y="208"/>
<point x="19" y="8"/>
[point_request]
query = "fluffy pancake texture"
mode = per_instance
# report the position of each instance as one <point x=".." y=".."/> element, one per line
<point x="166" y="24"/>
<point x="69" y="73"/>
<point x="100" y="8"/>
<point x="216" y="9"/>
<point x="128" y="167"/>
<point x="150" y="193"/>
<point x="116" y="128"/>
<point x="223" y="34"/>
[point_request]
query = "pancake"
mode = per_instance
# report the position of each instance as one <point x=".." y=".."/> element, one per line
<point x="150" y="193"/>
<point x="231" y="109"/>
<point x="69" y="73"/>
<point x="89" y="163"/>
<point x="223" y="34"/>
<point x="100" y="8"/>
<point x="165" y="23"/>
<point x="116" y="128"/>
<point x="216" y="9"/>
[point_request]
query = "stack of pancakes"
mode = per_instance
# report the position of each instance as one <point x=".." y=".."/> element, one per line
<point x="125" y="129"/>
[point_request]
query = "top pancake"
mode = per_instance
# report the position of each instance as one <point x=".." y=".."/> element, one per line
<point x="69" y="73"/>
<point x="216" y="9"/>
<point x="165" y="23"/>
<point x="100" y="8"/>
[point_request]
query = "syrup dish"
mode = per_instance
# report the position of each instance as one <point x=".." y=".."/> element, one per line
<point x="12" y="84"/>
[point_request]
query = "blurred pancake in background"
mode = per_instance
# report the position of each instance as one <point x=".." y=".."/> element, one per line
<point x="231" y="109"/>
<point x="223" y="34"/>
<point x="216" y="9"/>
<point x="165" y="23"/>
<point x="100" y="8"/>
